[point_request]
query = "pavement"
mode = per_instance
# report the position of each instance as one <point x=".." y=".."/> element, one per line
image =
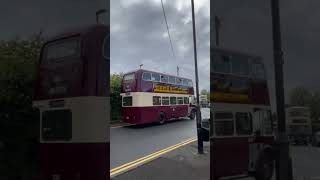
<point x="181" y="163"/>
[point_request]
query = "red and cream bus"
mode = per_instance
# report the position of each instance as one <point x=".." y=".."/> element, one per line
<point x="241" y="136"/>
<point x="72" y="94"/>
<point x="155" y="97"/>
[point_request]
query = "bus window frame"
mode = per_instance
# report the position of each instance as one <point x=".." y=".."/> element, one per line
<point x="152" y="74"/>
<point x="162" y="100"/>
<point x="188" y="101"/>
<point x="181" y="98"/>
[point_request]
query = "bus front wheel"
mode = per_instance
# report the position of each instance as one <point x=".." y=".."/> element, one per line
<point x="265" y="167"/>
<point x="162" y="118"/>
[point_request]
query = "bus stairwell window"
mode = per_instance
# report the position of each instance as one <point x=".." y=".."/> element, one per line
<point x="224" y="125"/>
<point x="127" y="101"/>
<point x="146" y="76"/>
<point x="156" y="100"/>
<point x="128" y="77"/>
<point x="243" y="123"/>
<point x="57" y="125"/>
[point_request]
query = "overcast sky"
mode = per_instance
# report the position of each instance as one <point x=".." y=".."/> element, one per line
<point x="246" y="26"/>
<point x="139" y="36"/>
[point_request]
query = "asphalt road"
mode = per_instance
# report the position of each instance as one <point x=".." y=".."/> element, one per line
<point x="133" y="142"/>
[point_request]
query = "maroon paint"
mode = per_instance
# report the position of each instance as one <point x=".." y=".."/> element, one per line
<point x="143" y="115"/>
<point x="231" y="155"/>
<point x="91" y="160"/>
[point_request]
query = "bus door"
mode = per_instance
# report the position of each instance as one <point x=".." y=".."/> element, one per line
<point x="262" y="135"/>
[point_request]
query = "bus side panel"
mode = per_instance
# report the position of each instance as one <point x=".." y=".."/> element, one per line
<point x="144" y="115"/>
<point x="237" y="151"/>
<point x="69" y="160"/>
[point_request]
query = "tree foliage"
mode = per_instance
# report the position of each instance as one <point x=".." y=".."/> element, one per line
<point x="115" y="102"/>
<point x="19" y="125"/>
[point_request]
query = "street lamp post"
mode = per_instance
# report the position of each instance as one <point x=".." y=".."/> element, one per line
<point x="199" y="134"/>
<point x="283" y="164"/>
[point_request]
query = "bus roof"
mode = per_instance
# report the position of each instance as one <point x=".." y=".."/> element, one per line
<point x="81" y="30"/>
<point x="143" y="70"/>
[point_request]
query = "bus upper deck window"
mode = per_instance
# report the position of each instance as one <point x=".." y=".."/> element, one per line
<point x="146" y="76"/>
<point x="190" y="83"/>
<point x="221" y="64"/>
<point x="178" y="81"/>
<point x="223" y="123"/>
<point x="185" y="82"/>
<point x="128" y="77"/>
<point x="172" y="80"/>
<point x="240" y="66"/>
<point x="127" y="101"/>
<point x="258" y="71"/>
<point x="155" y="77"/>
<point x="164" y="79"/>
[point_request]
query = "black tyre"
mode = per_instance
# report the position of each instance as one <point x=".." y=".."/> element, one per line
<point x="264" y="167"/>
<point x="162" y="118"/>
<point x="192" y="115"/>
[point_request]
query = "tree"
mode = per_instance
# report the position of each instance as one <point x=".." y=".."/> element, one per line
<point x="19" y="123"/>
<point x="300" y="96"/>
<point x="115" y="90"/>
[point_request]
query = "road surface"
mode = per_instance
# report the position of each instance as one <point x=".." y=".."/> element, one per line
<point x="133" y="142"/>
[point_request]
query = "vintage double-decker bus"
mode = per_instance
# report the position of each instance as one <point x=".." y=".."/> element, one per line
<point x="72" y="94"/>
<point x="155" y="97"/>
<point x="241" y="136"/>
<point x="299" y="126"/>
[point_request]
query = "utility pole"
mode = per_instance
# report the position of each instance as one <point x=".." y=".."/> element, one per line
<point x="177" y="70"/>
<point x="199" y="134"/>
<point x="283" y="160"/>
<point x="217" y="29"/>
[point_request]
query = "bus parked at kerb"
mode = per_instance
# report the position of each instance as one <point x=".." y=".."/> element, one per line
<point x="155" y="97"/>
<point x="242" y="136"/>
<point x="299" y="124"/>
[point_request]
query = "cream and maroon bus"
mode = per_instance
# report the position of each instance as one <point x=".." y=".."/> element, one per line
<point x="242" y="139"/>
<point x="72" y="94"/>
<point x="149" y="96"/>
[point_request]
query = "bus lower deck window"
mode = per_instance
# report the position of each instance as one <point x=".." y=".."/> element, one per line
<point x="224" y="125"/>
<point x="156" y="100"/>
<point x="165" y="101"/>
<point x="127" y="101"/>
<point x="243" y="123"/>
<point x="173" y="100"/>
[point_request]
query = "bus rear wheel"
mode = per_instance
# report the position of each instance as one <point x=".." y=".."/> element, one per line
<point x="162" y="118"/>
<point x="264" y="168"/>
